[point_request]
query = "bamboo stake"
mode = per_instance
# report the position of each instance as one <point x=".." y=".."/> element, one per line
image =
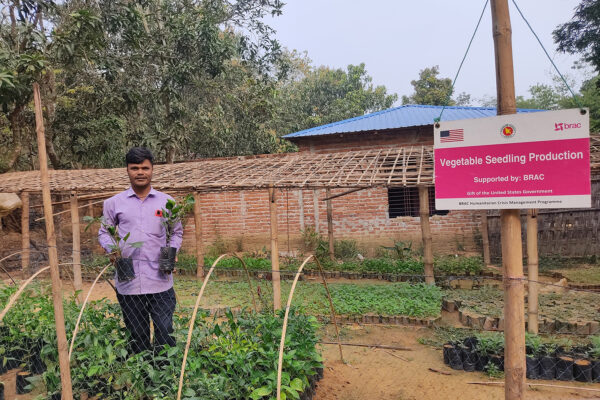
<point x="316" y="210"/>
<point x="485" y="237"/>
<point x="274" y="249"/>
<point x="376" y="346"/>
<point x="193" y="320"/>
<point x="82" y="309"/>
<point x="512" y="247"/>
<point x="426" y="234"/>
<point x="330" y="225"/>
<point x="15" y="296"/>
<point x="25" y="232"/>
<point x="59" y="318"/>
<point x="331" y="308"/>
<point x="285" y="321"/>
<point x="77" y="283"/>
<point x="69" y="210"/>
<point x="532" y="270"/>
<point x="198" y="232"/>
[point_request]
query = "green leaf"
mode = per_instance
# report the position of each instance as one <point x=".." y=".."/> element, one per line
<point x="136" y="245"/>
<point x="126" y="236"/>
<point x="297" y="385"/>
<point x="93" y="370"/>
<point x="260" y="392"/>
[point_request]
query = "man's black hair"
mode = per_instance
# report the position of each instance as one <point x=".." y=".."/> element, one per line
<point x="137" y="155"/>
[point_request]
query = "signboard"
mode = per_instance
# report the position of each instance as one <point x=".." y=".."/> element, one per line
<point x="527" y="160"/>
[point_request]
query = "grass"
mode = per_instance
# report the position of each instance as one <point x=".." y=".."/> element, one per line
<point x="589" y="274"/>
<point x="348" y="299"/>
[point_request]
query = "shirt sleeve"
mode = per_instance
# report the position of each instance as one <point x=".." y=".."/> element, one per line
<point x="109" y="218"/>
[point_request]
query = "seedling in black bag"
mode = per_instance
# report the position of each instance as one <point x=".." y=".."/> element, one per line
<point x="172" y="214"/>
<point x="123" y="265"/>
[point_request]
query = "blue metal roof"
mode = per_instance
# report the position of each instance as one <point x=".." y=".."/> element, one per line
<point x="399" y="117"/>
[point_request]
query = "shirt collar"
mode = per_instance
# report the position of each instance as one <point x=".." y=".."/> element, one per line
<point x="129" y="192"/>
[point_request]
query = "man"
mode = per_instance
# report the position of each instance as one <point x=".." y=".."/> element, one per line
<point x="150" y="294"/>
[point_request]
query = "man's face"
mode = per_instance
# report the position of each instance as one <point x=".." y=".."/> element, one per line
<point x="140" y="175"/>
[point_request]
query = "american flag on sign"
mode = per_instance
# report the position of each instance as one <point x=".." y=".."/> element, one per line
<point x="453" y="135"/>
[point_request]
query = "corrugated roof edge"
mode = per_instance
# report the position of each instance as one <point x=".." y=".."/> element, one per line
<point x="303" y="132"/>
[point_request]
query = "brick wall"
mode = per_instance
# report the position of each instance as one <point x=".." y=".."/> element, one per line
<point x="241" y="220"/>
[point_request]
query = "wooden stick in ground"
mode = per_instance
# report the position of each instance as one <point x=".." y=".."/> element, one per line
<point x="426" y="234"/>
<point x="485" y="238"/>
<point x="59" y="318"/>
<point x="25" y="232"/>
<point x="15" y="296"/>
<point x="77" y="283"/>
<point x="331" y="308"/>
<point x="284" y="329"/>
<point x="510" y="220"/>
<point x="236" y="255"/>
<point x="330" y="225"/>
<point x="532" y="271"/>
<point x="376" y="346"/>
<point x="439" y="372"/>
<point x="192" y="321"/>
<point x="585" y="389"/>
<point x="69" y="210"/>
<point x="198" y="232"/>
<point x="274" y="249"/>
<point x="82" y="309"/>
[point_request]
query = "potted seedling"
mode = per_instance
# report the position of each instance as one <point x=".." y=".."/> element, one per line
<point x="534" y="347"/>
<point x="123" y="265"/>
<point x="172" y="214"/>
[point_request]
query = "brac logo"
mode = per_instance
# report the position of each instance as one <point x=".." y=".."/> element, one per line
<point x="561" y="126"/>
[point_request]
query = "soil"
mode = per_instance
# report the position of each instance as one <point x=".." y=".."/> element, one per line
<point x="378" y="374"/>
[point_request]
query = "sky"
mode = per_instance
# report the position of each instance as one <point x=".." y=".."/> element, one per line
<point x="398" y="38"/>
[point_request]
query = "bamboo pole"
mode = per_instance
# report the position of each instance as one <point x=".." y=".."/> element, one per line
<point x="512" y="247"/>
<point x="532" y="270"/>
<point x="426" y="234"/>
<point x="77" y="282"/>
<point x="192" y="322"/>
<point x="15" y="296"/>
<point x="198" y="232"/>
<point x="485" y="237"/>
<point x="585" y="389"/>
<point x="330" y="225"/>
<point x="331" y="308"/>
<point x="274" y="249"/>
<point x="25" y="232"/>
<point x="284" y="328"/>
<point x="59" y="318"/>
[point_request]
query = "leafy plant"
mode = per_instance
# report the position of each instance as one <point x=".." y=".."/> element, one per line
<point x="174" y="213"/>
<point x="534" y="344"/>
<point x="118" y="242"/>
<point x="400" y="250"/>
<point x="493" y="371"/>
<point x="490" y="343"/>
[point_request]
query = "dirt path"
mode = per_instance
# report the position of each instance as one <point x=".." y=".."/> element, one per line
<point x="375" y="374"/>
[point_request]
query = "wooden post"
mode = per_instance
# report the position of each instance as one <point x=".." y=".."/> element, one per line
<point x="77" y="283"/>
<point x="426" y="234"/>
<point x="330" y="225"/>
<point x="274" y="249"/>
<point x="25" y="233"/>
<point x="532" y="270"/>
<point x="512" y="247"/>
<point x="316" y="209"/>
<point x="485" y="237"/>
<point x="59" y="318"/>
<point x="198" y="231"/>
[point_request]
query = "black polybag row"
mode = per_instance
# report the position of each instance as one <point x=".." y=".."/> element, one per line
<point x="561" y="365"/>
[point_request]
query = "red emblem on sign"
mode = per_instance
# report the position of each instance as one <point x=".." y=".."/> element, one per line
<point x="508" y="131"/>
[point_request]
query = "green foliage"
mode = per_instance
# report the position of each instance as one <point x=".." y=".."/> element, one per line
<point x="174" y="213"/>
<point x="228" y="360"/>
<point x="455" y="265"/>
<point x="118" y="242"/>
<point x="345" y="249"/>
<point x="400" y="250"/>
<point x="431" y="90"/>
<point x="582" y="33"/>
<point x="493" y="371"/>
<point x="490" y="343"/>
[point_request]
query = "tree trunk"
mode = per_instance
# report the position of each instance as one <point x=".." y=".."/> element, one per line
<point x="49" y="101"/>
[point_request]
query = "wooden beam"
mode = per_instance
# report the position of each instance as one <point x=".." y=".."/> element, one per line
<point x="198" y="233"/>
<point x="274" y="249"/>
<point x="330" y="225"/>
<point x="59" y="317"/>
<point x="485" y="238"/>
<point x="532" y="271"/>
<point x="335" y="196"/>
<point x="77" y="282"/>
<point x="510" y="220"/>
<point x="25" y="246"/>
<point x="426" y="234"/>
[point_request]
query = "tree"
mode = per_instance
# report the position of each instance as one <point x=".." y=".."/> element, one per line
<point x="323" y="95"/>
<point x="582" y="33"/>
<point x="431" y="90"/>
